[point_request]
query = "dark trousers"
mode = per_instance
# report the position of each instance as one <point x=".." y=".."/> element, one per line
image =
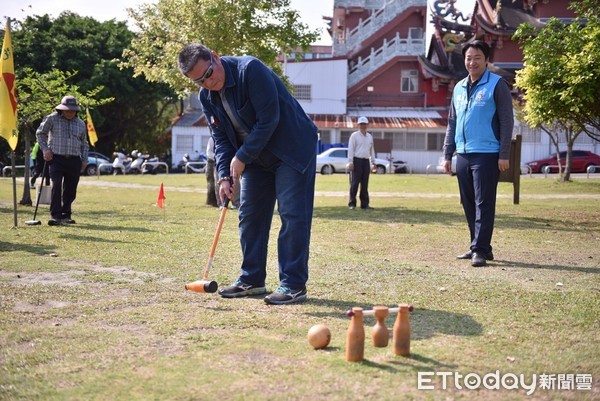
<point x="478" y="175"/>
<point x="211" y="191"/>
<point x="360" y="176"/>
<point x="64" y="173"/>
<point x="266" y="182"/>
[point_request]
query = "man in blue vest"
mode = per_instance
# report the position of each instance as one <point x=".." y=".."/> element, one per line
<point x="479" y="130"/>
<point x="263" y="137"/>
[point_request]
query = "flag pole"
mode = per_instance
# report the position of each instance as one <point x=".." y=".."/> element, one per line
<point x="14" y="182"/>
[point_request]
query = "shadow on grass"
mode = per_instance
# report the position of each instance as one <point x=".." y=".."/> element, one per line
<point x="94" y="239"/>
<point x="535" y="223"/>
<point x="403" y="215"/>
<point x="388" y="215"/>
<point x="34" y="249"/>
<point x="415" y="361"/>
<point x="425" y="323"/>
<point x="98" y="227"/>
<point x="519" y="265"/>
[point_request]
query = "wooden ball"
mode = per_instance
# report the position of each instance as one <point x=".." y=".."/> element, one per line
<point x="319" y="336"/>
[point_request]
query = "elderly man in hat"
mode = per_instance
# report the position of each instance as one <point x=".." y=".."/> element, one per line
<point x="361" y="154"/>
<point x="63" y="139"/>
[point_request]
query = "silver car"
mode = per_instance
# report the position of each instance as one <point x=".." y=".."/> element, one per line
<point x="334" y="160"/>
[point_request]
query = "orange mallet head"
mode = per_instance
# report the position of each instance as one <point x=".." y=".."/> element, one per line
<point x="202" y="286"/>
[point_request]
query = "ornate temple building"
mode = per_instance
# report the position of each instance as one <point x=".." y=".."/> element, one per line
<point x="378" y="66"/>
<point x="493" y="21"/>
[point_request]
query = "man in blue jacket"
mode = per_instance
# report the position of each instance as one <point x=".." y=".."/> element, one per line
<point x="479" y="130"/>
<point x="263" y="139"/>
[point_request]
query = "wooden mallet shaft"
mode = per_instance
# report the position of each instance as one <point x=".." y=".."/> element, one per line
<point x="205" y="285"/>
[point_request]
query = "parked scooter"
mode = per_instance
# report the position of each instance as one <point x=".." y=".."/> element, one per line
<point x="137" y="166"/>
<point x="121" y="163"/>
<point x="128" y="165"/>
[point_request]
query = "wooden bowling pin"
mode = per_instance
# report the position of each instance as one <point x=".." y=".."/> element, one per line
<point x="401" y="332"/>
<point x="380" y="333"/>
<point x="355" y="337"/>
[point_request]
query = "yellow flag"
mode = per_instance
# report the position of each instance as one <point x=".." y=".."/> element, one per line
<point x="8" y="97"/>
<point x="91" y="129"/>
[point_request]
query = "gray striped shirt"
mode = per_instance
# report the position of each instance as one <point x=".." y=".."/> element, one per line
<point x="64" y="137"/>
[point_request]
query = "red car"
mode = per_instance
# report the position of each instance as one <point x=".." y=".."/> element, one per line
<point x="580" y="161"/>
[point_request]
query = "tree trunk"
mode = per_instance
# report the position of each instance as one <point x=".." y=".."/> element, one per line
<point x="26" y="199"/>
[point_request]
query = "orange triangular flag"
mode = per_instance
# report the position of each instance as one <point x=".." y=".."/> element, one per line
<point x="161" y="196"/>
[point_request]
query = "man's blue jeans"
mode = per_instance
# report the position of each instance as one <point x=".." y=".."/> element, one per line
<point x="294" y="193"/>
<point x="478" y="175"/>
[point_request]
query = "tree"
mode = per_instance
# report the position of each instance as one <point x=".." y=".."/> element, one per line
<point x="140" y="113"/>
<point x="560" y="78"/>
<point x="262" y="28"/>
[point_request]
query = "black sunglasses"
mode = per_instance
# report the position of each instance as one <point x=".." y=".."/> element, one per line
<point x="207" y="74"/>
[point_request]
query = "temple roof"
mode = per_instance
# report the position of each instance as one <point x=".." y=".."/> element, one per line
<point x="503" y="17"/>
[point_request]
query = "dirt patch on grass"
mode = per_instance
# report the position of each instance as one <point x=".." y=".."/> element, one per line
<point x="76" y="277"/>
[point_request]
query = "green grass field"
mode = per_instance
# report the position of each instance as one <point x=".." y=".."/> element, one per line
<point x="98" y="310"/>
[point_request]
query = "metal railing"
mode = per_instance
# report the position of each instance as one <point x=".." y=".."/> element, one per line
<point x="156" y="164"/>
<point x="389" y="10"/>
<point x="396" y="47"/>
<point x="548" y="170"/>
<point x="7" y="170"/>
<point x="191" y="165"/>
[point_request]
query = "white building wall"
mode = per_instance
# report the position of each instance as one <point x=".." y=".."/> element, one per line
<point x="191" y="140"/>
<point x="328" y="81"/>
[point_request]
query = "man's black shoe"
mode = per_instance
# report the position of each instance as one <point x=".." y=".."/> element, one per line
<point x="478" y="260"/>
<point x="469" y="255"/>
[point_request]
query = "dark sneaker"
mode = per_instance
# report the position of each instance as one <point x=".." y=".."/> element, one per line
<point x="54" y="222"/>
<point x="284" y="295"/>
<point x="241" y="289"/>
<point x="67" y="220"/>
<point x="368" y="208"/>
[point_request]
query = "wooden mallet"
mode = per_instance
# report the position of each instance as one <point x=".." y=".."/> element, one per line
<point x="206" y="285"/>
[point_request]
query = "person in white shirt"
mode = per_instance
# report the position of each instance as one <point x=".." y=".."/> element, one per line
<point x="361" y="156"/>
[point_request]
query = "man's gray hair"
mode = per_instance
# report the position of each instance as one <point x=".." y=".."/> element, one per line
<point x="190" y="55"/>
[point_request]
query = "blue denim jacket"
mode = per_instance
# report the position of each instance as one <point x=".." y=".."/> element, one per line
<point x="273" y="118"/>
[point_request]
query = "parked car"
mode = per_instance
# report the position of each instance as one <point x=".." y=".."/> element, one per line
<point x="581" y="160"/>
<point x="94" y="160"/>
<point x="334" y="160"/>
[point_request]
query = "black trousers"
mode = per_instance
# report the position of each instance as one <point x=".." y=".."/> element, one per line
<point x="478" y="175"/>
<point x="360" y="176"/>
<point x="64" y="173"/>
